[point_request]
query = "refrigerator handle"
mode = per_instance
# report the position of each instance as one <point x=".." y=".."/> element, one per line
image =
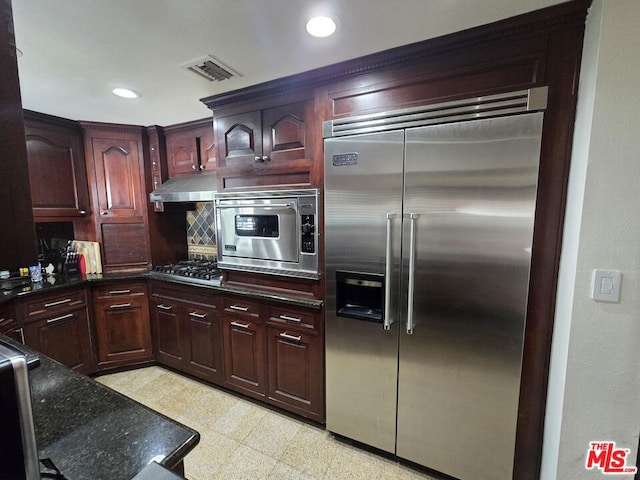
<point x="412" y="270"/>
<point x="388" y="272"/>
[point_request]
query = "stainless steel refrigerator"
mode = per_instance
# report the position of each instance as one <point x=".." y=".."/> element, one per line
<point x="429" y="217"/>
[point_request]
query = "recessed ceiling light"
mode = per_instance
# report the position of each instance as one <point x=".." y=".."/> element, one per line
<point x="321" y="26"/>
<point x="125" y="93"/>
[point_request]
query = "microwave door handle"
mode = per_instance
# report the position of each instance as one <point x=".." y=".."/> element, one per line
<point x="388" y="273"/>
<point x="291" y="205"/>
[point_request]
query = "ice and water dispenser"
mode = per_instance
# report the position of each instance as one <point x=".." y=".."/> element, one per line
<point x="360" y="296"/>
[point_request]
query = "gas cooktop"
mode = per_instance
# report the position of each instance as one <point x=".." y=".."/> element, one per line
<point x="201" y="272"/>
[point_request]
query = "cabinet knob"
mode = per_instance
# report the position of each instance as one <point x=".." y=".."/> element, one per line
<point x="82" y="212"/>
<point x="104" y="213"/>
<point x="202" y="167"/>
<point x="265" y="158"/>
<point x="194" y="167"/>
<point x="258" y="159"/>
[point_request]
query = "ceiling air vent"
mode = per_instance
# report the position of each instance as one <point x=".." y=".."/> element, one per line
<point x="211" y="69"/>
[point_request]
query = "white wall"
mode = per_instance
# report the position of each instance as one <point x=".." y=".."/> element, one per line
<point x="594" y="383"/>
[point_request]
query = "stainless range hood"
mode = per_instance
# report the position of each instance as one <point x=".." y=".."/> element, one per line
<point x="196" y="188"/>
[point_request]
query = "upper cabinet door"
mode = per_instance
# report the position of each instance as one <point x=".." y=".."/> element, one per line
<point x="57" y="173"/>
<point x="208" y="154"/>
<point x="190" y="148"/>
<point x="269" y="147"/>
<point x="118" y="172"/>
<point x="239" y="138"/>
<point x="182" y="154"/>
<point x="286" y="132"/>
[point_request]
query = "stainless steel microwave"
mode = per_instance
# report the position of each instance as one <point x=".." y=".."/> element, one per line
<point x="273" y="232"/>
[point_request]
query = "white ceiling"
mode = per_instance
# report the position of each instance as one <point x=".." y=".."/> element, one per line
<point x="76" y="51"/>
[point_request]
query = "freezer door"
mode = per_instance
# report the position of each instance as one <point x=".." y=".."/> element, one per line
<point x="363" y="183"/>
<point x="471" y="188"/>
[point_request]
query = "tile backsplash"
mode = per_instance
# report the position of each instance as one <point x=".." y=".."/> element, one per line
<point x="201" y="232"/>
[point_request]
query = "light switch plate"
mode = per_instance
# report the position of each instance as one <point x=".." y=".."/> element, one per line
<point x="605" y="285"/>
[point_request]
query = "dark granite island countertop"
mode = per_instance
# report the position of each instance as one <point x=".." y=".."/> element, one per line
<point x="92" y="432"/>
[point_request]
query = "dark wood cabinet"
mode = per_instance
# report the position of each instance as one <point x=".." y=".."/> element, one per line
<point x="244" y="347"/>
<point x="240" y="139"/>
<point x="57" y="325"/>
<point x="57" y="171"/>
<point x="275" y="352"/>
<point x="295" y="358"/>
<point x="9" y="324"/>
<point x="270" y="146"/>
<point x="186" y="331"/>
<point x="121" y="313"/>
<point x="115" y="163"/>
<point x="191" y="148"/>
<point x="167" y="331"/>
<point x="18" y="236"/>
<point x="204" y="342"/>
<point x="63" y="338"/>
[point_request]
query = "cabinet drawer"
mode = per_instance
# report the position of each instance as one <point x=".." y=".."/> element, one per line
<point x="188" y="295"/>
<point x="48" y="305"/>
<point x="119" y="290"/>
<point x="241" y="307"/>
<point x="294" y="317"/>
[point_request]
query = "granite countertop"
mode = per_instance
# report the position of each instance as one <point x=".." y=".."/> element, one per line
<point x="61" y="281"/>
<point x="92" y="432"/>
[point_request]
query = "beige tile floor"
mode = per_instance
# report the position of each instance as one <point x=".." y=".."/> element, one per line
<point x="242" y="440"/>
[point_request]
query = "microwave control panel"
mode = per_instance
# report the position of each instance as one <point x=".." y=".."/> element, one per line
<point x="308" y="228"/>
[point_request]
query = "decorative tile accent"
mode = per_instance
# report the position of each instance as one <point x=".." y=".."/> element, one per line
<point x="201" y="232"/>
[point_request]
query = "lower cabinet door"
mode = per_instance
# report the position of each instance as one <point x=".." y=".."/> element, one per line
<point x="244" y="360"/>
<point x="9" y="325"/>
<point x="295" y="371"/>
<point x="64" y="338"/>
<point x="167" y="333"/>
<point x="204" y="347"/>
<point x="123" y="332"/>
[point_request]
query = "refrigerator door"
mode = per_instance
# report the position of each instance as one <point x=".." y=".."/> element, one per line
<point x="471" y="188"/>
<point x="363" y="183"/>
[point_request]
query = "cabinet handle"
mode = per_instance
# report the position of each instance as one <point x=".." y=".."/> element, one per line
<point x="290" y="319"/>
<point x="21" y="332"/>
<point x="164" y="307"/>
<point x="5" y="320"/>
<point x="198" y="315"/>
<point x="104" y="213"/>
<point x="57" y="319"/>
<point x="82" y="212"/>
<point x="59" y="302"/>
<point x="119" y="292"/>
<point x="240" y="325"/>
<point x="239" y="308"/>
<point x="120" y="305"/>
<point x="290" y="337"/>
